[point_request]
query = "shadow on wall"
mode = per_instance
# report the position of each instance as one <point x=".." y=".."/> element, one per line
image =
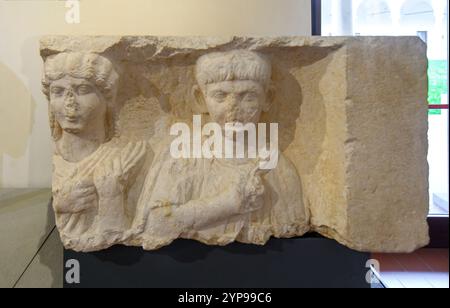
<point x="300" y="107"/>
<point x="40" y="143"/>
<point x="17" y="109"/>
<point x="308" y="142"/>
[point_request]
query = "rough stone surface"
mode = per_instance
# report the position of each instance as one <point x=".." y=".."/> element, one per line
<point x="352" y="123"/>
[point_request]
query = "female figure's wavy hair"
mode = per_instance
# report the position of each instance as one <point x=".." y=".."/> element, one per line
<point x="92" y="67"/>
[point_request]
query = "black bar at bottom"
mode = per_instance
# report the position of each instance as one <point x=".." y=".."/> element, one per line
<point x="282" y="263"/>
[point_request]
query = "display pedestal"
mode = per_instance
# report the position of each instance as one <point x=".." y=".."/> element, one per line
<point x="299" y="262"/>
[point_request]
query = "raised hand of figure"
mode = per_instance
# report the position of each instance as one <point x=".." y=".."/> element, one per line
<point x="131" y="158"/>
<point x="250" y="189"/>
<point x="112" y="177"/>
<point x="75" y="198"/>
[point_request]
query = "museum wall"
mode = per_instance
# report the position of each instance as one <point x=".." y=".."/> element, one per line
<point x="25" y="143"/>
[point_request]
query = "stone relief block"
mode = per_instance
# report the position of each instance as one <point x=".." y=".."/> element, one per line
<point x="344" y="119"/>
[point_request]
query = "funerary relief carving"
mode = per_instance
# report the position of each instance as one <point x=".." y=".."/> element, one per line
<point x="238" y="139"/>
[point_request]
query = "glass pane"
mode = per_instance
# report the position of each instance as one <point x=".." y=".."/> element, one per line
<point x="438" y="162"/>
<point x="427" y="19"/>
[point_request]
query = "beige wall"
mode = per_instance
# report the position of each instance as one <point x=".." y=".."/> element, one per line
<point x="25" y="145"/>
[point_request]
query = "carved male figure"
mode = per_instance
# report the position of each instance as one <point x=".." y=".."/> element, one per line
<point x="223" y="200"/>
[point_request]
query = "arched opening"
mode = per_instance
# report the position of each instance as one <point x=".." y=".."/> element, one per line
<point x="417" y="14"/>
<point x="373" y="17"/>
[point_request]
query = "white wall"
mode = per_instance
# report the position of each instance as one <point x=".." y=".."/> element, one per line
<point x="25" y="144"/>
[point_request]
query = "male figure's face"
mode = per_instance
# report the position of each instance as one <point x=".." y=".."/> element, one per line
<point x="77" y="104"/>
<point x="237" y="101"/>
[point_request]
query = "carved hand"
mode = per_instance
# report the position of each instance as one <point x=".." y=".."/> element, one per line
<point x="252" y="190"/>
<point x="112" y="177"/>
<point x="75" y="198"/>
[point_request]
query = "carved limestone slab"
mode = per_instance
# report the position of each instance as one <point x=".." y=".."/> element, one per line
<point x="238" y="139"/>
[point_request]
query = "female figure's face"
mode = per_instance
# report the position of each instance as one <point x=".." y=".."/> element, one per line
<point x="77" y="104"/>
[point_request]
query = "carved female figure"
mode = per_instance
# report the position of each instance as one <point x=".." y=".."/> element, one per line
<point x="92" y="168"/>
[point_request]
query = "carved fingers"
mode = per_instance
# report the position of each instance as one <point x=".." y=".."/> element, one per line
<point x="132" y="155"/>
<point x="77" y="198"/>
<point x="254" y="190"/>
<point x="248" y="190"/>
<point x="115" y="173"/>
<point x="107" y="179"/>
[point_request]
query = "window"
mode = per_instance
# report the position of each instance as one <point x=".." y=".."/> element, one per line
<point x="427" y="19"/>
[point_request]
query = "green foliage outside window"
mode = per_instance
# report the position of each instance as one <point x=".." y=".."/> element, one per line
<point x="437" y="82"/>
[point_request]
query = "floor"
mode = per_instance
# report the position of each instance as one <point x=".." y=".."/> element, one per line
<point x="425" y="268"/>
<point x="30" y="249"/>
